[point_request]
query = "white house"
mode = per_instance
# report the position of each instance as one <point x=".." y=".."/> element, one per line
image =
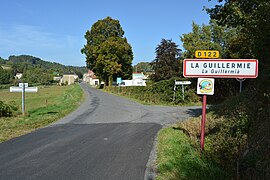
<point x="138" y="79"/>
<point x="69" y="78"/>
<point x="91" y="78"/>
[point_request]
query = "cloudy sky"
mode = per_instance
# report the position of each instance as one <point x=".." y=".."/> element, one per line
<point x="54" y="30"/>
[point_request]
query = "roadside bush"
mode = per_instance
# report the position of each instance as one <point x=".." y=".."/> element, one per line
<point x="6" y="110"/>
<point x="161" y="92"/>
<point x="226" y="132"/>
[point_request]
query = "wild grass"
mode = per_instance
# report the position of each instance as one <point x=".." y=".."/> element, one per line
<point x="178" y="159"/>
<point x="48" y="105"/>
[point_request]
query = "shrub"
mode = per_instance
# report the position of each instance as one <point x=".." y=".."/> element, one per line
<point x="6" y="110"/>
<point x="161" y="92"/>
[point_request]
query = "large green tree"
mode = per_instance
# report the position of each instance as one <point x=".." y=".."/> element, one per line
<point x="213" y="37"/>
<point x="252" y="19"/>
<point x="209" y="37"/>
<point x="144" y="67"/>
<point x="107" y="51"/>
<point x="167" y="62"/>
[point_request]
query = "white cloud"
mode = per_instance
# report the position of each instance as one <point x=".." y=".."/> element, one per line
<point x="24" y="36"/>
<point x="25" y="39"/>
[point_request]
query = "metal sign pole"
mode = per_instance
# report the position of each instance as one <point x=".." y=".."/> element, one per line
<point x="183" y="92"/>
<point x="241" y="86"/>
<point x="241" y="80"/>
<point x="174" y="89"/>
<point x="203" y="121"/>
<point x="23" y="99"/>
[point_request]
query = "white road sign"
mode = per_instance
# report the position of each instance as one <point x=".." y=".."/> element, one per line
<point x="182" y="82"/>
<point x="21" y="84"/>
<point x="19" y="89"/>
<point x="221" y="68"/>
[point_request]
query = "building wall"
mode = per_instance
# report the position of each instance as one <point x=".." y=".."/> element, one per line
<point x="68" y="78"/>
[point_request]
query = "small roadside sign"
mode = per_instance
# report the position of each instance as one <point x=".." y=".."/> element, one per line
<point x="119" y="80"/>
<point x="21" y="85"/>
<point x="182" y="82"/>
<point x="19" y="89"/>
<point x="183" y="90"/>
<point x="205" y="86"/>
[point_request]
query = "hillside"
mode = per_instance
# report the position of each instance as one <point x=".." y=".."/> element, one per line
<point x="28" y="61"/>
<point x="34" y="69"/>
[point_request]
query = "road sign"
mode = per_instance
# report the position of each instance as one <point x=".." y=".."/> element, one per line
<point x="221" y="68"/>
<point x="206" y="54"/>
<point x="205" y="86"/>
<point x="22" y="88"/>
<point x="119" y="80"/>
<point x="21" y="85"/>
<point x="182" y="82"/>
<point x="19" y="89"/>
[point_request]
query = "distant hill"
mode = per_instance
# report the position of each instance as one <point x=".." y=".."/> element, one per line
<point x="22" y="62"/>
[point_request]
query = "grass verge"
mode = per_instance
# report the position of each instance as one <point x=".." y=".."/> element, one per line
<point x="46" y="106"/>
<point x="145" y="98"/>
<point x="178" y="159"/>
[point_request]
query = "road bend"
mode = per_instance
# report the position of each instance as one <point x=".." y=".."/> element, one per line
<point x="107" y="137"/>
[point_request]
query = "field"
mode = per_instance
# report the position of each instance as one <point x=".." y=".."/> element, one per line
<point x="48" y="105"/>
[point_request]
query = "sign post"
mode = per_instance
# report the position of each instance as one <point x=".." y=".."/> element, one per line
<point x="205" y="86"/>
<point x="203" y="122"/>
<point x="118" y="81"/>
<point x="240" y="80"/>
<point x="23" y="87"/>
<point x="23" y="99"/>
<point x="206" y="69"/>
<point x="183" y="89"/>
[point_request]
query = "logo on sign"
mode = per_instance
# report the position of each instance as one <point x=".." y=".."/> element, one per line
<point x="205" y="86"/>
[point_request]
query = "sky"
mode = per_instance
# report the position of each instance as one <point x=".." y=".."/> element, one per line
<point x="54" y="30"/>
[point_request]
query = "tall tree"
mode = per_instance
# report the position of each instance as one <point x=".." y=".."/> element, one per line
<point x="107" y="51"/>
<point x="252" y="19"/>
<point x="144" y="67"/>
<point x="167" y="62"/>
<point x="213" y="37"/>
<point x="207" y="37"/>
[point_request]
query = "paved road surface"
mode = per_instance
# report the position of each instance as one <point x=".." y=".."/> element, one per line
<point x="107" y="137"/>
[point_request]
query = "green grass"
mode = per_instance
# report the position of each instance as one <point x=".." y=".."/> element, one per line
<point x="48" y="105"/>
<point x="143" y="98"/>
<point x="177" y="159"/>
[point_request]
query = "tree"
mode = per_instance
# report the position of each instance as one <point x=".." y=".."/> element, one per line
<point x="107" y="52"/>
<point x="214" y="37"/>
<point x="252" y="19"/>
<point x="144" y="67"/>
<point x="207" y="37"/>
<point x="5" y="76"/>
<point x="167" y="62"/>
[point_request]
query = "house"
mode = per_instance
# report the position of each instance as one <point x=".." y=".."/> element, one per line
<point x="138" y="79"/>
<point x="69" y="78"/>
<point x="18" y="76"/>
<point x="57" y="78"/>
<point x="91" y="78"/>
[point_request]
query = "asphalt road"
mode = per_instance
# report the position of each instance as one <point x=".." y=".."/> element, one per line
<point x="107" y="137"/>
